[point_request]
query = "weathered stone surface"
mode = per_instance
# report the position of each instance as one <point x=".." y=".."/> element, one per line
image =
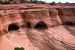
<point x="53" y="16"/>
<point x="67" y="14"/>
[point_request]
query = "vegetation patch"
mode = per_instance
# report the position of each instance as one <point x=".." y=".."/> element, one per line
<point x="17" y="48"/>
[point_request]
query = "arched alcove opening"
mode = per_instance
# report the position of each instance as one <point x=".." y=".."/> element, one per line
<point x="13" y="27"/>
<point x="41" y="25"/>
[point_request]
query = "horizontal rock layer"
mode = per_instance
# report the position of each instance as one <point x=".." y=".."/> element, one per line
<point x="50" y="16"/>
<point x="27" y="17"/>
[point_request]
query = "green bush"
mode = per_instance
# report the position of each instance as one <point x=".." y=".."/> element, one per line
<point x="53" y="3"/>
<point x="17" y="48"/>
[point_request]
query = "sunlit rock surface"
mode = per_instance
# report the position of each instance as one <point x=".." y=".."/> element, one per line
<point x="59" y="19"/>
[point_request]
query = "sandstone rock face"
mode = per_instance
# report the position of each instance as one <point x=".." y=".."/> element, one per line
<point x="68" y="18"/>
<point x="49" y="16"/>
<point x="53" y="19"/>
<point x="67" y="14"/>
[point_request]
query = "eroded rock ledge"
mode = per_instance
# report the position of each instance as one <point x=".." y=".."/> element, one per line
<point x="28" y="16"/>
<point x="35" y="13"/>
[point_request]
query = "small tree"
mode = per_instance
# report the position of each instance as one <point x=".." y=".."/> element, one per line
<point x="17" y="48"/>
<point x="35" y="1"/>
<point x="59" y="2"/>
<point x="67" y="2"/>
<point x="42" y="2"/>
<point x="53" y="3"/>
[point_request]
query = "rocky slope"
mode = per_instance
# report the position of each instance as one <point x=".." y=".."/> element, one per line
<point x="26" y="16"/>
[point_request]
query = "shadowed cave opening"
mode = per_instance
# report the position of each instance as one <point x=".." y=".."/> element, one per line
<point x="13" y="27"/>
<point x="41" y="25"/>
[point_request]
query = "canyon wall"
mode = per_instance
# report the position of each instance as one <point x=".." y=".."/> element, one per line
<point x="51" y="16"/>
<point x="28" y="24"/>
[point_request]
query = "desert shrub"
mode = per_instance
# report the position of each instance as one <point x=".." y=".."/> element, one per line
<point x="53" y="3"/>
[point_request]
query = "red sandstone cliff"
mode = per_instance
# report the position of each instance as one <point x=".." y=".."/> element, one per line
<point x="53" y="16"/>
